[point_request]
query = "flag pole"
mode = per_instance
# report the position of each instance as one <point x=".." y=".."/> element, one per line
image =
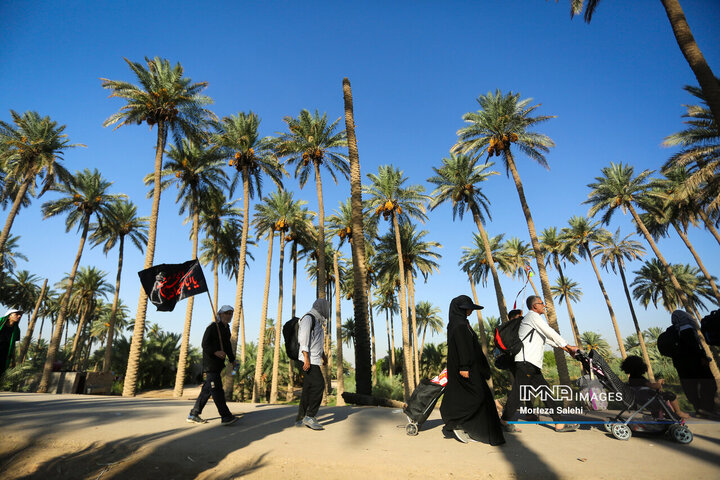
<point x="215" y="318"/>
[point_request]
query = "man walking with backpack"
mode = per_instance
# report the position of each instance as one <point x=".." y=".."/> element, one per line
<point x="534" y="333"/>
<point x="310" y="356"/>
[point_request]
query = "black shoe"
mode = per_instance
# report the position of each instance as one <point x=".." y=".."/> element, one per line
<point x="229" y="420"/>
<point x="195" y="419"/>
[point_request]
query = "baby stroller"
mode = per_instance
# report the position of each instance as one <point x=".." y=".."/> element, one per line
<point x="422" y="402"/>
<point x="648" y="411"/>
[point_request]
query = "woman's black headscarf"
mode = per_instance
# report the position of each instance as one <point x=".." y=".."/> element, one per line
<point x="458" y="311"/>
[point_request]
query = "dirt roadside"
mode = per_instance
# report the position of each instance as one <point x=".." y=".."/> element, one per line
<point x="94" y="437"/>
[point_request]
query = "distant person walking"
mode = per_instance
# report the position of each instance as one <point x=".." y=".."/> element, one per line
<point x="693" y="366"/>
<point x="534" y="332"/>
<point x="310" y="357"/>
<point x="9" y="334"/>
<point x="468" y="407"/>
<point x="216" y="348"/>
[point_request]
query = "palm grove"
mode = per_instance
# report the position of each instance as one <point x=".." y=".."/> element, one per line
<point x="220" y="167"/>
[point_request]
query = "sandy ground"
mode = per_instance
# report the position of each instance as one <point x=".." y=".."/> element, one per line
<point x="94" y="437"/>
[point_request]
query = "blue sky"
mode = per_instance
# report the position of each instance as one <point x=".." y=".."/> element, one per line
<point x="416" y="67"/>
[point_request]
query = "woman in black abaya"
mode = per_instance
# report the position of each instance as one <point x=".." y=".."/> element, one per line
<point x="468" y="406"/>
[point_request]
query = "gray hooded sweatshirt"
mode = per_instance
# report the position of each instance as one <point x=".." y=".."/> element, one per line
<point x="313" y="343"/>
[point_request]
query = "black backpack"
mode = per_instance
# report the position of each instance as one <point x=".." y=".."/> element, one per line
<point x="508" y="343"/>
<point x="710" y="327"/>
<point x="290" y="334"/>
<point x="668" y="341"/>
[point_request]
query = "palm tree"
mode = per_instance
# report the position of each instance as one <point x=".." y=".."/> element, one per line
<point x="364" y="367"/>
<point x="387" y="196"/>
<point x="287" y="210"/>
<point x="686" y="42"/>
<point x="652" y="285"/>
<point x="579" y="236"/>
<point x="171" y="101"/>
<point x="85" y="196"/>
<point x="418" y="256"/>
<point x="428" y="315"/>
<point x="566" y="289"/>
<point x="594" y="341"/>
<point x="458" y="181"/>
<point x="313" y="142"/>
<point x="31" y="323"/>
<point x="216" y="211"/>
<point x="11" y="255"/>
<point x="33" y="147"/>
<point x="618" y="189"/>
<point x="386" y="301"/>
<point x="665" y="207"/>
<point x="556" y="249"/>
<point x="121" y="221"/>
<point x="196" y="170"/>
<point x="516" y="257"/>
<point x="614" y="251"/>
<point x="267" y="218"/>
<point x="238" y="137"/>
<point x="698" y="158"/>
<point x="89" y="285"/>
<point x="501" y="121"/>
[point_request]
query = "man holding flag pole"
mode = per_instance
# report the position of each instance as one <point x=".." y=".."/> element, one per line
<point x="167" y="284"/>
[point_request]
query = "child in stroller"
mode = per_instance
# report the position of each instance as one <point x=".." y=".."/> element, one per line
<point x="648" y="411"/>
<point x="635" y="367"/>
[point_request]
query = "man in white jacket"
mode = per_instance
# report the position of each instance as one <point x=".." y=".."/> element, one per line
<point x="311" y="356"/>
<point x="534" y="333"/>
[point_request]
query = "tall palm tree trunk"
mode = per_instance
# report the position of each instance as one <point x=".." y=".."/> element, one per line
<point x="113" y="311"/>
<point x="11" y="217"/>
<point x="55" y="341"/>
<point x="373" y="367"/>
<point x="502" y="308"/>
<point x="676" y="284"/>
<point x="321" y="278"/>
<point x="709" y="224"/>
<point x="42" y="325"/>
<point x="695" y="255"/>
<point x="641" y="339"/>
<point x="238" y="317"/>
<point x="31" y="324"/>
<point x="131" y="373"/>
<point x="74" y="354"/>
<point x="391" y="344"/>
<point x="693" y="55"/>
<point x="576" y="333"/>
<point x="185" y="343"/>
<point x="607" y="301"/>
<point x="364" y="370"/>
<point x="408" y="378"/>
<point x="483" y="336"/>
<point x="278" y="325"/>
<point x="216" y="280"/>
<point x="338" y="334"/>
<point x="294" y="273"/>
<point x="263" y="318"/>
<point x="560" y="361"/>
<point x="413" y="327"/>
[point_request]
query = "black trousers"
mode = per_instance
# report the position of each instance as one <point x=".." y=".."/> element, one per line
<point x="312" y="392"/>
<point x="526" y="374"/>
<point x="212" y="387"/>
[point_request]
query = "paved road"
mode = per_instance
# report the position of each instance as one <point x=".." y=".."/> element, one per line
<point x="82" y="436"/>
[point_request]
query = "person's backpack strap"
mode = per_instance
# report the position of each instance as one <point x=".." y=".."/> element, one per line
<point x="312" y="328"/>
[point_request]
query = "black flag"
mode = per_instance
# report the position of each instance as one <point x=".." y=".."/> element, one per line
<point x="168" y="283"/>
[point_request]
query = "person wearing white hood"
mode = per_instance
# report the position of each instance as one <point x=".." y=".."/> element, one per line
<point x="311" y="356"/>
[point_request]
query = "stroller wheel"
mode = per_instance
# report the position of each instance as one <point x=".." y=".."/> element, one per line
<point x="411" y="429"/>
<point x="608" y="425"/>
<point x="621" y="431"/>
<point x="681" y="434"/>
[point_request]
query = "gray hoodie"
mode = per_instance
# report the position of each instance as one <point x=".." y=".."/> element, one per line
<point x="313" y="343"/>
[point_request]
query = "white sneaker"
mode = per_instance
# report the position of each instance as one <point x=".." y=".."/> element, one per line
<point x="461" y="435"/>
